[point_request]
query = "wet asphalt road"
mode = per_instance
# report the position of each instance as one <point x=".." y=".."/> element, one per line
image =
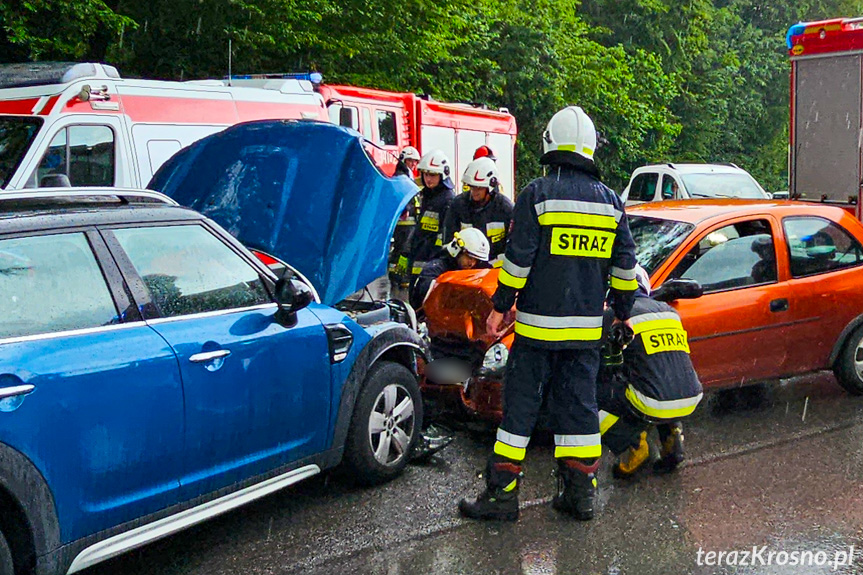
<point x="777" y="466"/>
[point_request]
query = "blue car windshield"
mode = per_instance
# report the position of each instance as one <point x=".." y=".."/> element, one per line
<point x="16" y="135"/>
<point x="656" y="239"/>
<point x="725" y="185"/>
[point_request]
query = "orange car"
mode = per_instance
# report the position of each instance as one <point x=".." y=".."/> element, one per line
<point x="783" y="294"/>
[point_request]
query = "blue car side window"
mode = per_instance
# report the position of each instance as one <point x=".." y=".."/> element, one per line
<point x="50" y="284"/>
<point x="188" y="270"/>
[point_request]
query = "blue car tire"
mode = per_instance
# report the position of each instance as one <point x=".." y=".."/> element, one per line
<point x="385" y="426"/>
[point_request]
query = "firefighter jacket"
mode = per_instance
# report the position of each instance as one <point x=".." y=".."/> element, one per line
<point x="427" y="239"/>
<point x="661" y="382"/>
<point x="493" y="219"/>
<point x="569" y="243"/>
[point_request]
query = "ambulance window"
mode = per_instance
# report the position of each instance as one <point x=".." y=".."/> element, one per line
<point x="367" y="124"/>
<point x="16" y="135"/>
<point x="84" y="154"/>
<point x="386" y="128"/>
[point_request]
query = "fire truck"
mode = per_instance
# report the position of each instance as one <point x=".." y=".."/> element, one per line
<point x="82" y="124"/>
<point x="826" y="155"/>
<point x="393" y="120"/>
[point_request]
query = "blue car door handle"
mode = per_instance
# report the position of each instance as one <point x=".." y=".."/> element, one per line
<point x="7" y="392"/>
<point x="209" y="356"/>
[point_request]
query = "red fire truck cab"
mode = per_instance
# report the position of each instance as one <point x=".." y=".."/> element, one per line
<point x="826" y="154"/>
<point x="393" y="120"/>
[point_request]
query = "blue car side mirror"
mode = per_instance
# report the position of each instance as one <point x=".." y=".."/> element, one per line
<point x="292" y="295"/>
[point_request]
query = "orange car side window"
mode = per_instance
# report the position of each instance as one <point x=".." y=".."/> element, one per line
<point x="735" y="256"/>
<point x="817" y="245"/>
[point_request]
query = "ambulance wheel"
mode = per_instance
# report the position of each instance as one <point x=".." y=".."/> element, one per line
<point x="849" y="365"/>
<point x="386" y="424"/>
<point x="6" y="565"/>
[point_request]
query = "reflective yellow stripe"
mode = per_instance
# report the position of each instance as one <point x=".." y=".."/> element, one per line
<point x="582" y="451"/>
<point x="409" y="222"/>
<point x="559" y="334"/>
<point x="681" y="407"/>
<point x="623" y="285"/>
<point x="508" y="451"/>
<point x="417" y="270"/>
<point x="511" y="486"/>
<point x="498" y="263"/>
<point x="510" y="280"/>
<point x="606" y="422"/>
<point x="656" y="324"/>
<point x="566" y="147"/>
<point x="577" y="219"/>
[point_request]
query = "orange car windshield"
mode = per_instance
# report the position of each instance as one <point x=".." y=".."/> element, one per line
<point x="656" y="239"/>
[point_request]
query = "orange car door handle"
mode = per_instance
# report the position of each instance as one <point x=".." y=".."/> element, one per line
<point x="779" y="305"/>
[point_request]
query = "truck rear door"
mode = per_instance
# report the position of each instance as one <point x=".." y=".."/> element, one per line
<point x="826" y="161"/>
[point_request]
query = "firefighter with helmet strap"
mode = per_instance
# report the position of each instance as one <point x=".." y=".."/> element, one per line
<point x="481" y="207"/>
<point x="435" y="198"/>
<point x="654" y="384"/>
<point x="570" y="243"/>
<point x="467" y="250"/>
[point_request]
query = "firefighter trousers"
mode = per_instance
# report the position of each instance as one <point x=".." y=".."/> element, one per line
<point x="567" y="379"/>
<point x="619" y="422"/>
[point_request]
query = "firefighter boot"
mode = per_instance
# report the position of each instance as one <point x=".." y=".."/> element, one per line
<point x="499" y="501"/>
<point x="576" y="487"/>
<point x="631" y="459"/>
<point x="672" y="448"/>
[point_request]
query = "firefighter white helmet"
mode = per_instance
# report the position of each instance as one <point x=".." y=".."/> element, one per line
<point x="435" y="162"/>
<point x="409" y="153"/>
<point x="570" y="130"/>
<point x="472" y="241"/>
<point x="481" y="173"/>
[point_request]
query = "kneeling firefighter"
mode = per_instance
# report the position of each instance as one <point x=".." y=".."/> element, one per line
<point x="651" y="381"/>
<point x="468" y="249"/>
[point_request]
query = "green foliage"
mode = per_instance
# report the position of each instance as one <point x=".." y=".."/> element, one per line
<point x="705" y="80"/>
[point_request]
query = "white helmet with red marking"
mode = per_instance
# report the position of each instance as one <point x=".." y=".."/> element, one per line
<point x="481" y="173"/>
<point x="435" y="162"/>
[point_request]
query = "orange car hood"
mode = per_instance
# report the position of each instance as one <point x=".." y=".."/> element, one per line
<point x="459" y="303"/>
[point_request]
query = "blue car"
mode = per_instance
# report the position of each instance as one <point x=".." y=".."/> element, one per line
<point x="155" y="373"/>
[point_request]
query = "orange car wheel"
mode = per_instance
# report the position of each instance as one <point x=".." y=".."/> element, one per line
<point x="849" y="365"/>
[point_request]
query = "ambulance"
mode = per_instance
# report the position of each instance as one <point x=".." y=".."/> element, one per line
<point x="82" y="124"/>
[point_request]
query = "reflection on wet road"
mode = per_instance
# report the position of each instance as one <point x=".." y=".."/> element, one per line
<point x="778" y="468"/>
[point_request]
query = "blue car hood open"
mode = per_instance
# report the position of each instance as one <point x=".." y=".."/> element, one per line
<point x="305" y="192"/>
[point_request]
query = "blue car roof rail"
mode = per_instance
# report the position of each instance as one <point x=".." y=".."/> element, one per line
<point x="66" y="196"/>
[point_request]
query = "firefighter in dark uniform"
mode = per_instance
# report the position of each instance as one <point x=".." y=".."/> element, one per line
<point x="481" y="207"/>
<point x="655" y="384"/>
<point x="570" y="242"/>
<point x="407" y="163"/>
<point x="435" y="198"/>
<point x="467" y="250"/>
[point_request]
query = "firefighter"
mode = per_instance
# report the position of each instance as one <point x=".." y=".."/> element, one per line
<point x="569" y="236"/>
<point x="468" y="249"/>
<point x="435" y="198"/>
<point x="481" y="207"/>
<point x="484" y="152"/>
<point x="655" y="384"/>
<point x="406" y="166"/>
